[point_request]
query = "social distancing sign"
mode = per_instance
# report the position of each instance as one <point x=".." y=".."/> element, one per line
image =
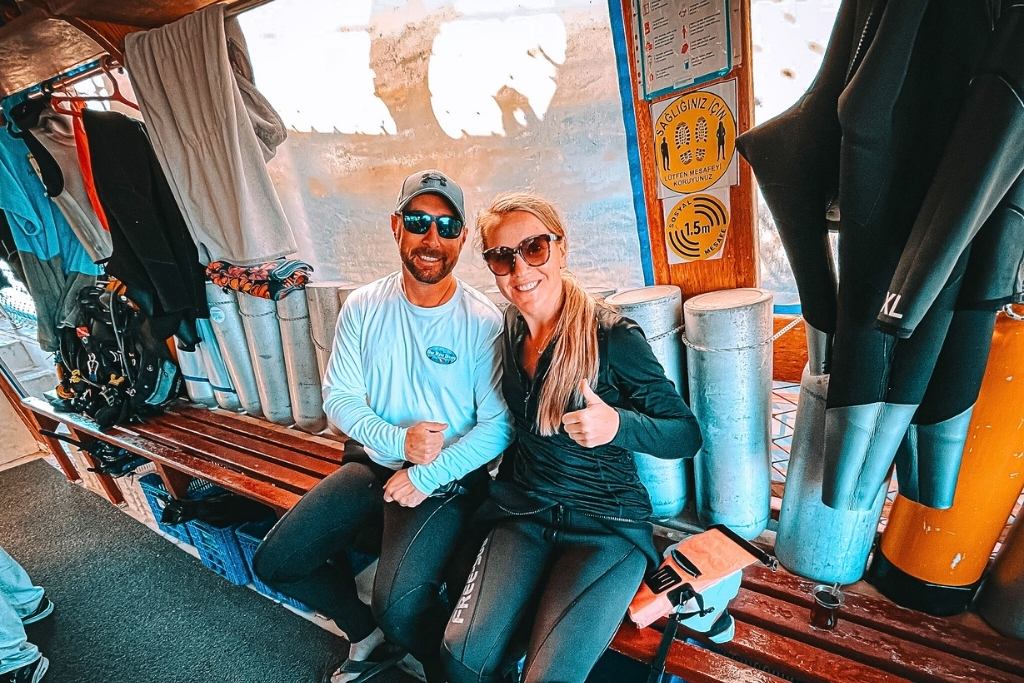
<point x="696" y="227"/>
<point x="695" y="140"/>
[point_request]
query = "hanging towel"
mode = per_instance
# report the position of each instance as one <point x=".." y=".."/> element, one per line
<point x="55" y="264"/>
<point x="273" y="280"/>
<point x="211" y="145"/>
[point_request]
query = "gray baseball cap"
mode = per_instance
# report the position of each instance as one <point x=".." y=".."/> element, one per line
<point x="432" y="181"/>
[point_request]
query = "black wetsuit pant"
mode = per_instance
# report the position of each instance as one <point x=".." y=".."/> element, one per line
<point x="566" y="574"/>
<point x="304" y="556"/>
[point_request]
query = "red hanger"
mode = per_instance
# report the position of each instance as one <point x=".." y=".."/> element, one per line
<point x="117" y="96"/>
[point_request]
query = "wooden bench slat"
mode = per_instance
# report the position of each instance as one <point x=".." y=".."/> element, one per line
<point x="289" y="458"/>
<point x="862" y="643"/>
<point x="235" y="482"/>
<point x="329" y="449"/>
<point x="242" y="461"/>
<point x="695" y="664"/>
<point x="980" y="644"/>
<point x="798" y="660"/>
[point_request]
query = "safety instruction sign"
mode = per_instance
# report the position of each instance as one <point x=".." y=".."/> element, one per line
<point x="697" y="226"/>
<point x="682" y="43"/>
<point x="695" y="140"/>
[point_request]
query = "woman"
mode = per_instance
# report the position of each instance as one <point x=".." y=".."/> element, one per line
<point x="571" y="541"/>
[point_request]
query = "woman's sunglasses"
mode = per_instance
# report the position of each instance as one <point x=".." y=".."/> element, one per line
<point x="535" y="251"/>
<point x="418" y="223"/>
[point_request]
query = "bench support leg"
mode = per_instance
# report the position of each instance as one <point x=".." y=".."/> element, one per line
<point x="55" y="447"/>
<point x="176" y="482"/>
<point x="110" y="489"/>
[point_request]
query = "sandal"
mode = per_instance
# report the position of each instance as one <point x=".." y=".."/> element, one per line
<point x="381" y="659"/>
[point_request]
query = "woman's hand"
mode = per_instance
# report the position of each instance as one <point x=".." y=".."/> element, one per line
<point x="401" y="490"/>
<point x="595" y="425"/>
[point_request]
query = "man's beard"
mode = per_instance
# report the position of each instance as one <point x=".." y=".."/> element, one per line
<point x="430" y="276"/>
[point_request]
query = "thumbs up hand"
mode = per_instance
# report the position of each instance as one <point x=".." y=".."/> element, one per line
<point x="594" y="425"/>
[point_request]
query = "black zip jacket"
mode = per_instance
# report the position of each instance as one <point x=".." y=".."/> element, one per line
<point x="599" y="481"/>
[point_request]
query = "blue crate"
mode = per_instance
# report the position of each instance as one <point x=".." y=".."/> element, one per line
<point x="157" y="497"/>
<point x="219" y="550"/>
<point x="250" y="535"/>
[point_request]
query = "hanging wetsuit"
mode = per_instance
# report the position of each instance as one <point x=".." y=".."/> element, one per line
<point x="154" y="255"/>
<point x="882" y="109"/>
<point x="975" y="207"/>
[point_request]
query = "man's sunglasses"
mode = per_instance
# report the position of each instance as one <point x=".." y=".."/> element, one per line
<point x="535" y="251"/>
<point x="418" y="223"/>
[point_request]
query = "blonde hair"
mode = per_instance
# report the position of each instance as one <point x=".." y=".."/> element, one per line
<point x="575" y="355"/>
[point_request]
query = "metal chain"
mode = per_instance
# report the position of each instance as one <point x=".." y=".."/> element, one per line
<point x="674" y="330"/>
<point x="258" y="315"/>
<point x="793" y="323"/>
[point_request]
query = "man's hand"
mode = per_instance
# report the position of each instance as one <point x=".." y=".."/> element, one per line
<point x="423" y="441"/>
<point x="401" y="490"/>
<point x="595" y="425"/>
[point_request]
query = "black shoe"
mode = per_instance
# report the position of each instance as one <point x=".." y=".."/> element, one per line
<point x="44" y="610"/>
<point x="30" y="673"/>
<point x="385" y="656"/>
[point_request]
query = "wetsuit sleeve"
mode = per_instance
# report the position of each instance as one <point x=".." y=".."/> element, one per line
<point x="655" y="419"/>
<point x="344" y="389"/>
<point x="981" y="163"/>
<point x="491" y="434"/>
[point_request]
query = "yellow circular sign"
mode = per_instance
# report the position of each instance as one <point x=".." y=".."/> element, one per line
<point x="696" y="227"/>
<point x="695" y="138"/>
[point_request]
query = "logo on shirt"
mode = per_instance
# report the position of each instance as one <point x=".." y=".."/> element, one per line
<point x="441" y="355"/>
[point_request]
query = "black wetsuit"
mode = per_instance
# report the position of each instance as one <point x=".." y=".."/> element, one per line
<point x="571" y="540"/>
<point x="872" y="135"/>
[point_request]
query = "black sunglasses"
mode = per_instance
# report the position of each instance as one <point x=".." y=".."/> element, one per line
<point x="535" y="251"/>
<point x="418" y="223"/>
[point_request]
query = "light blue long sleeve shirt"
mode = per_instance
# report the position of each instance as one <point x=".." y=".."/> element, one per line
<point x="394" y="364"/>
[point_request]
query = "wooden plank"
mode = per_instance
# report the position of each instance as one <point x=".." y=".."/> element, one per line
<point x="862" y="643"/>
<point x="695" y="664"/>
<point x="246" y="463"/>
<point x="798" y="660"/>
<point x="311" y="444"/>
<point x="285" y="456"/>
<point x="789" y="352"/>
<point x="738" y="265"/>
<point x="257" y="489"/>
<point x="980" y="643"/>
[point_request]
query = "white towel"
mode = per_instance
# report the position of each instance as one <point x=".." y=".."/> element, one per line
<point x="204" y="136"/>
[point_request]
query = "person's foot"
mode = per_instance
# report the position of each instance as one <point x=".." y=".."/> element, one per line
<point x="30" y="673"/>
<point x="364" y="669"/>
<point x="44" y="610"/>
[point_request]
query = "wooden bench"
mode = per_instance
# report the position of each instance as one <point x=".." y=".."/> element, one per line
<point x="874" y="641"/>
<point x="251" y="457"/>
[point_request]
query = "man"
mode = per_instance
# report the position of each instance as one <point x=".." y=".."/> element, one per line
<point x="21" y="604"/>
<point x="414" y="378"/>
